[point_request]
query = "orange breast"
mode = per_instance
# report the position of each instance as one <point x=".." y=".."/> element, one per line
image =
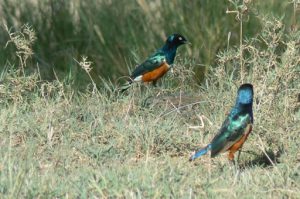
<point x="235" y="147"/>
<point x="156" y="74"/>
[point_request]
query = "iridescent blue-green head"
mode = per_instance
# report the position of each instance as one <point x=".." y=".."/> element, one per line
<point x="172" y="43"/>
<point x="175" y="40"/>
<point x="245" y="95"/>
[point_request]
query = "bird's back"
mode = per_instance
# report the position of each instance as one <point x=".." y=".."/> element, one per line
<point x="150" y="64"/>
<point x="232" y="130"/>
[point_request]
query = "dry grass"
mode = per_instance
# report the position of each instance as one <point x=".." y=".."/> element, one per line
<point x="108" y="31"/>
<point x="56" y="143"/>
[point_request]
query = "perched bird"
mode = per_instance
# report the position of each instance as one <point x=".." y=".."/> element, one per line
<point x="236" y="127"/>
<point x="158" y="63"/>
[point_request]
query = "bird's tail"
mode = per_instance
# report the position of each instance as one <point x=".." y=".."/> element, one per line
<point x="200" y="153"/>
<point x="125" y="86"/>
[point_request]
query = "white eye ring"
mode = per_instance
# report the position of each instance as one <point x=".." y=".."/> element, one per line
<point x="180" y="38"/>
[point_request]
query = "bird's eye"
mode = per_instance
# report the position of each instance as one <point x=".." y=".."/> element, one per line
<point x="180" y="38"/>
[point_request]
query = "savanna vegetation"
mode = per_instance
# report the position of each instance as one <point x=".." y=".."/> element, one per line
<point x="66" y="131"/>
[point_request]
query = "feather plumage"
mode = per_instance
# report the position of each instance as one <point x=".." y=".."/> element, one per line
<point x="162" y="56"/>
<point x="236" y="125"/>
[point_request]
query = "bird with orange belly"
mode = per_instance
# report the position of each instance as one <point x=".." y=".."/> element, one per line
<point x="158" y="64"/>
<point x="235" y="129"/>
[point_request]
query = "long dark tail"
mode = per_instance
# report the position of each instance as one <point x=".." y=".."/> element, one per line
<point x="201" y="152"/>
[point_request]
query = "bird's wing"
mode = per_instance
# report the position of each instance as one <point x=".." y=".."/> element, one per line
<point x="231" y="131"/>
<point x="152" y="63"/>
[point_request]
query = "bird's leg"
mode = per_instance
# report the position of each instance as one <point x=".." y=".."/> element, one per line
<point x="231" y="156"/>
<point x="238" y="159"/>
<point x="232" y="160"/>
<point x="154" y="83"/>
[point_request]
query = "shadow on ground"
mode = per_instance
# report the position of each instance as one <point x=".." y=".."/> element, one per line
<point x="267" y="159"/>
